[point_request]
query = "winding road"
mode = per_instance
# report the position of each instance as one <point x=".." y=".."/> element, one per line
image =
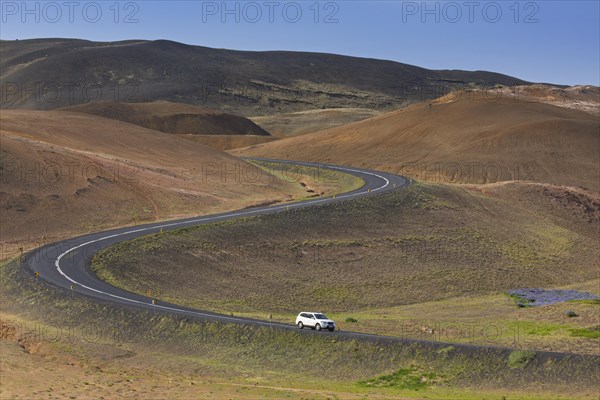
<point x="66" y="264"/>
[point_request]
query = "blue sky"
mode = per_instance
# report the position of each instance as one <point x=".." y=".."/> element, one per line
<point x="540" y="41"/>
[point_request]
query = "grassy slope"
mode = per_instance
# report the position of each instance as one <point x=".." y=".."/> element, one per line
<point x="316" y="181"/>
<point x="92" y="348"/>
<point x="429" y="243"/>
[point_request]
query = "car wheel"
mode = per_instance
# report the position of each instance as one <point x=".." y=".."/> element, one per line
<point x="318" y="327"/>
<point x="300" y="325"/>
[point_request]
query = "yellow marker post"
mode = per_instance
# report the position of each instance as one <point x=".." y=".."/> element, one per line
<point x="37" y="274"/>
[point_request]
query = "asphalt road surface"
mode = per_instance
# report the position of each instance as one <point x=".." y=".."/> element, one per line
<point x="66" y="264"/>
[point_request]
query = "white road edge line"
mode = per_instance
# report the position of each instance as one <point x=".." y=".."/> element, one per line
<point x="205" y="219"/>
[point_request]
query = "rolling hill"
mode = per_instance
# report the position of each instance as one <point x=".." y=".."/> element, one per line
<point x="301" y="122"/>
<point x="462" y="138"/>
<point x="66" y="72"/>
<point x="177" y="118"/>
<point x="66" y="173"/>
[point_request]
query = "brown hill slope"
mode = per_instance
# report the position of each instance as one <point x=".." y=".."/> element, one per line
<point x="229" y="142"/>
<point x="65" y="173"/>
<point x="467" y="139"/>
<point x="301" y="122"/>
<point x="176" y="118"/>
<point x="582" y="97"/>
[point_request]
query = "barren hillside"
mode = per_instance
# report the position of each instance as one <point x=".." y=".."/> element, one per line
<point x="247" y="83"/>
<point x="467" y="138"/>
<point x="66" y="173"/>
<point x="175" y="118"/>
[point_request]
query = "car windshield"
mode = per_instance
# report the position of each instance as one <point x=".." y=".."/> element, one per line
<point x="320" y="316"/>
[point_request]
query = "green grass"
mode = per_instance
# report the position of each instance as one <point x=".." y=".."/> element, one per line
<point x="520" y="358"/>
<point x="542" y="328"/>
<point x="591" y="333"/>
<point x="445" y="351"/>
<point x="335" y="181"/>
<point x="8" y="261"/>
<point x="595" y="302"/>
<point x="520" y="301"/>
<point x="412" y="378"/>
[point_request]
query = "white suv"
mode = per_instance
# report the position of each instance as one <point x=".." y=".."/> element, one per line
<point x="314" y="320"/>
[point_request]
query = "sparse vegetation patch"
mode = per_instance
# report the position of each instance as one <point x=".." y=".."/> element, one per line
<point x="520" y="358"/>
<point x="412" y="378"/>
